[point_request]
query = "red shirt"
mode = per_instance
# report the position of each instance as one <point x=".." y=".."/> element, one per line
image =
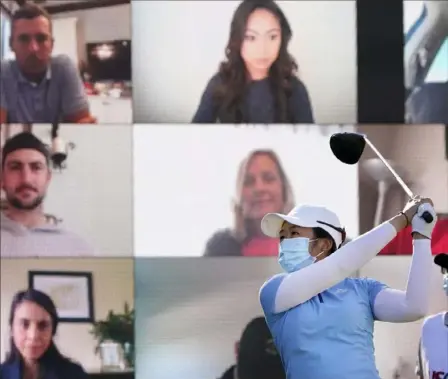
<point x="261" y="247"/>
<point x="402" y="243"/>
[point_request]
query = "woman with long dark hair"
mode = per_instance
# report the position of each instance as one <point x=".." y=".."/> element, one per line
<point x="257" y="82"/>
<point x="33" y="322"/>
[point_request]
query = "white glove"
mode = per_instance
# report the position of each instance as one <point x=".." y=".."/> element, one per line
<point x="421" y="226"/>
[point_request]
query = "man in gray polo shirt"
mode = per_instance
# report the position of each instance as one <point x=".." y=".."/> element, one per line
<point x="25" y="230"/>
<point x="36" y="87"/>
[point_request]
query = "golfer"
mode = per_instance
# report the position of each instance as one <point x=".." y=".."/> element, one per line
<point x="433" y="351"/>
<point x="322" y="320"/>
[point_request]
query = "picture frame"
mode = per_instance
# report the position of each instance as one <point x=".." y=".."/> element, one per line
<point x="71" y="291"/>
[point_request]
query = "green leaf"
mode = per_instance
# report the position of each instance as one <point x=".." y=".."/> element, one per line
<point x="116" y="327"/>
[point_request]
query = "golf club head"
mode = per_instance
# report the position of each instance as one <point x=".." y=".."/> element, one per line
<point x="347" y="147"/>
<point x="441" y="260"/>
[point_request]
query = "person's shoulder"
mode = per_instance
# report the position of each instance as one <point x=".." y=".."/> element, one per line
<point x="222" y="243"/>
<point x="296" y="82"/>
<point x="74" y="369"/>
<point x="78" y="244"/>
<point x="7" y="369"/>
<point x="5" y="64"/>
<point x="272" y="283"/>
<point x="229" y="373"/>
<point x="298" y="87"/>
<point x="431" y="320"/>
<point x="6" y="67"/>
<point x="61" y="59"/>
<point x="62" y="64"/>
<point x="214" y="81"/>
<point x="268" y="293"/>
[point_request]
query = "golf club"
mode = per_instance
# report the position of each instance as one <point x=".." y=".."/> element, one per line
<point x="377" y="171"/>
<point x="348" y="148"/>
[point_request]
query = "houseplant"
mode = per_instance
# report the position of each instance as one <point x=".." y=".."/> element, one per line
<point x="119" y="328"/>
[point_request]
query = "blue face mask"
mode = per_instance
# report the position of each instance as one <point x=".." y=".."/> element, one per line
<point x="294" y="254"/>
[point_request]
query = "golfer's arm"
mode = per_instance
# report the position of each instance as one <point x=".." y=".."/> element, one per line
<point x="393" y="305"/>
<point x="302" y="285"/>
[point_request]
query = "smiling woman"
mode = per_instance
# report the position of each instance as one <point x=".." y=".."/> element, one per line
<point x="230" y="178"/>
<point x="262" y="187"/>
<point x="257" y="81"/>
<point x="244" y="61"/>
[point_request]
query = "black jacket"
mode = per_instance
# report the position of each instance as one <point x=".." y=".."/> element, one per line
<point x="69" y="370"/>
<point x="229" y="373"/>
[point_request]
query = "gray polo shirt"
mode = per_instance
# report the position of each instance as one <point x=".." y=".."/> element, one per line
<point x="60" y="94"/>
<point x="44" y="241"/>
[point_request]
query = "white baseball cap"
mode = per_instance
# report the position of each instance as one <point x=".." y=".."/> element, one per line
<point x="307" y="216"/>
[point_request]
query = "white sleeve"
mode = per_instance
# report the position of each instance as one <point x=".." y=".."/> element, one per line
<point x="302" y="285"/>
<point x="393" y="305"/>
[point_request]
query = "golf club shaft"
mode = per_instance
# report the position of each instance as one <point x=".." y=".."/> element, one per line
<point x="394" y="173"/>
<point x="426" y="215"/>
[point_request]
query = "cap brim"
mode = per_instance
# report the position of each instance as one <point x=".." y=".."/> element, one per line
<point x="272" y="223"/>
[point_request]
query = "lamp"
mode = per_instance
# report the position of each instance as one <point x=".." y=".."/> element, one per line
<point x="59" y="149"/>
<point x="384" y="179"/>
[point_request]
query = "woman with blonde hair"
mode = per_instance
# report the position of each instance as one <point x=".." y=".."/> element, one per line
<point x="262" y="186"/>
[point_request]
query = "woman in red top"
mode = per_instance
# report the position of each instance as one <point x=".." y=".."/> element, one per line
<point x="262" y="187"/>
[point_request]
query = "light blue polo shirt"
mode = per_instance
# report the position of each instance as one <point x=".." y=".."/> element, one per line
<point x="329" y="336"/>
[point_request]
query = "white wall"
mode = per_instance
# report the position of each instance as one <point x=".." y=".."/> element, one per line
<point x="187" y="176"/>
<point x="93" y="195"/>
<point x="190" y="312"/>
<point x="113" y="285"/>
<point x="178" y="46"/>
<point x="69" y="39"/>
<point x="103" y="24"/>
<point x="74" y="30"/>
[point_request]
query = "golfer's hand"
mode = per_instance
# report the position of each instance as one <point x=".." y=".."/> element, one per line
<point x="420" y="226"/>
<point x="411" y="208"/>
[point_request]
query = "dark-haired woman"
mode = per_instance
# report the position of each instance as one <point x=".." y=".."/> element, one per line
<point x="257" y="82"/>
<point x="33" y="322"/>
<point x="322" y="321"/>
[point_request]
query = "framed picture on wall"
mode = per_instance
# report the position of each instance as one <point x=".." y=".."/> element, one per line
<point x="71" y="291"/>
